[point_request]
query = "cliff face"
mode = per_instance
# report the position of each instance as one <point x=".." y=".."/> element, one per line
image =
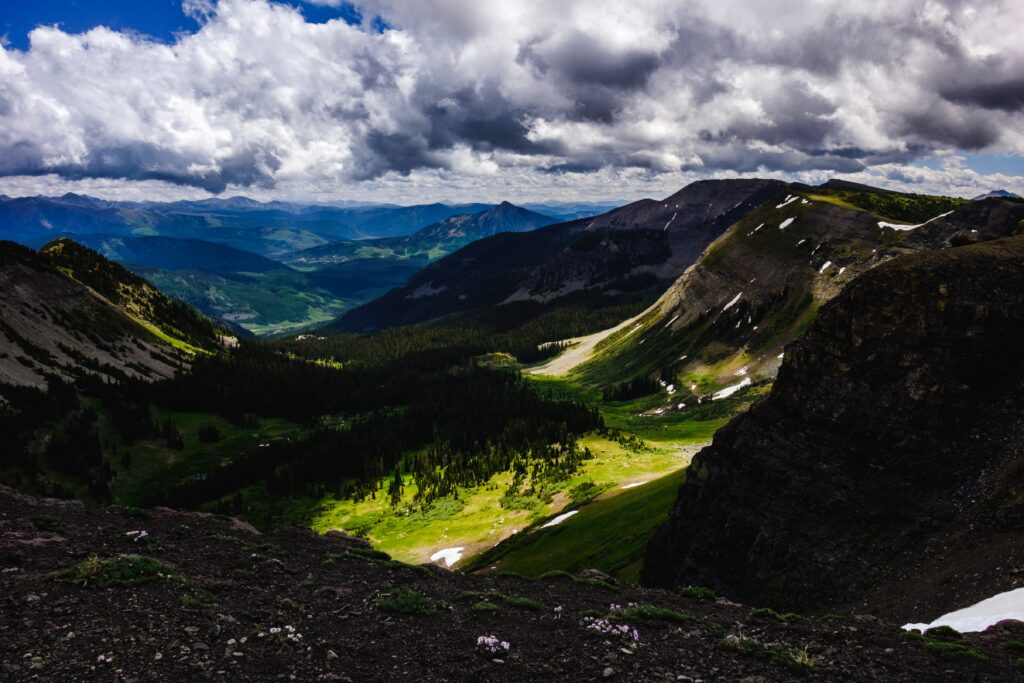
<point x="886" y="469"/>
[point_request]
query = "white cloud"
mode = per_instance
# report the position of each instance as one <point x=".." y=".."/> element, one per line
<point x="528" y="100"/>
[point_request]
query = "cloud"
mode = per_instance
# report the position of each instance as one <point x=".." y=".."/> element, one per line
<point x="530" y="95"/>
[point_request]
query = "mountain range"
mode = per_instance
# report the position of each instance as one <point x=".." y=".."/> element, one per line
<point x="804" y="399"/>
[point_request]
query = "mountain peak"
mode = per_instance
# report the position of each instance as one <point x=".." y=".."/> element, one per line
<point x="998" y="194"/>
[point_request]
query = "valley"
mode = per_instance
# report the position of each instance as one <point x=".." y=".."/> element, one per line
<point x="549" y="436"/>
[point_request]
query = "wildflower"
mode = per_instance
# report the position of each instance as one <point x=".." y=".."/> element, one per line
<point x="491" y="645"/>
<point x="558" y="612"/>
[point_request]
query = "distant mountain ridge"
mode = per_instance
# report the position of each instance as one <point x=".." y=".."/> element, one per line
<point x="431" y="242"/>
<point x="1003" y="194"/>
<point x="629" y="248"/>
<point x="269" y="229"/>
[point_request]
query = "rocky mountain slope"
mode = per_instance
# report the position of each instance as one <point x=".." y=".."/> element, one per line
<point x="727" y="318"/>
<point x="642" y="245"/>
<point x="885" y="470"/>
<point x="66" y="311"/>
<point x="429" y="243"/>
<point x="121" y="593"/>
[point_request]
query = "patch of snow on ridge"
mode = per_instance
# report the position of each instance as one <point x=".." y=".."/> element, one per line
<point x="449" y="555"/>
<point x="634" y="484"/>
<point x="560" y="518"/>
<point x="729" y="391"/>
<point x="790" y="198"/>
<point x="786" y="223"/>
<point x="742" y="371"/>
<point x="825" y="267"/>
<point x="978" y="617"/>
<point x="900" y="226"/>
<point x="755" y="230"/>
<point x="732" y="303"/>
<point x="671" y="219"/>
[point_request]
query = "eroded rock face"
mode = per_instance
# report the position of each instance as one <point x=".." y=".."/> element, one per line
<point x="886" y="469"/>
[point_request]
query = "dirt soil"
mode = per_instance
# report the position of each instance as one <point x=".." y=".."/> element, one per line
<point x="221" y="585"/>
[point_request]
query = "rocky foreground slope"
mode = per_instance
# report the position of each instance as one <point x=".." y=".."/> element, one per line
<point x="130" y="595"/>
<point x="886" y="470"/>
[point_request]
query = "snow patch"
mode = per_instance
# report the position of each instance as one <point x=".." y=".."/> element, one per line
<point x="742" y="371"/>
<point x="899" y="226"/>
<point x="732" y="303"/>
<point x="755" y="230"/>
<point x="449" y="555"/>
<point x="978" y="617"/>
<point x="671" y="219"/>
<point x="825" y="267"/>
<point x="634" y="484"/>
<point x="729" y="391"/>
<point x="786" y="223"/>
<point x="790" y="198"/>
<point x="560" y="518"/>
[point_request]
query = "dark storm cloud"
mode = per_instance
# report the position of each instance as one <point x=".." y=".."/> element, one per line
<point x="259" y="96"/>
<point x="1007" y="95"/>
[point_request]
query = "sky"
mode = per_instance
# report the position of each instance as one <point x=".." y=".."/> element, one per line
<point x="410" y="101"/>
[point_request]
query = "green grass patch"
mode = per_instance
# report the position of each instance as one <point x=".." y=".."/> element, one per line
<point x="406" y="601"/>
<point x="609" y="534"/>
<point x="1014" y="646"/>
<point x="650" y="613"/>
<point x="949" y="650"/>
<point x="116" y="572"/>
<point x="698" y="593"/>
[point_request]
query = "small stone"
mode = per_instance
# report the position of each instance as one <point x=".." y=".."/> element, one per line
<point x="331" y="654"/>
<point x="889" y="650"/>
<point x="609" y="672"/>
<point x="498" y="661"/>
<point x="158" y="656"/>
<point x="232" y="641"/>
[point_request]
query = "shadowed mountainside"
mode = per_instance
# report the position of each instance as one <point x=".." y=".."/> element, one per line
<point x="884" y="471"/>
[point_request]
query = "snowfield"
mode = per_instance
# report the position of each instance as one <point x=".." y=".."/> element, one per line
<point x="978" y="617"/>
<point x="449" y="555"/>
<point x="559" y="519"/>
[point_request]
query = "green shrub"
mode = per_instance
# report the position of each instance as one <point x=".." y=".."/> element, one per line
<point x="197" y="598"/>
<point x="954" y="650"/>
<point x="484" y="606"/>
<point x="122" y="571"/>
<point x="1014" y="645"/>
<point x="698" y="593"/>
<point x="406" y="601"/>
<point x="943" y="633"/>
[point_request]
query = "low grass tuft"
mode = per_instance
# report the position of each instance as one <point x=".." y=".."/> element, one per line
<point x="954" y="650"/>
<point x="795" y="659"/>
<point x="406" y="601"/>
<point x="122" y="571"/>
<point x="698" y="593"/>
